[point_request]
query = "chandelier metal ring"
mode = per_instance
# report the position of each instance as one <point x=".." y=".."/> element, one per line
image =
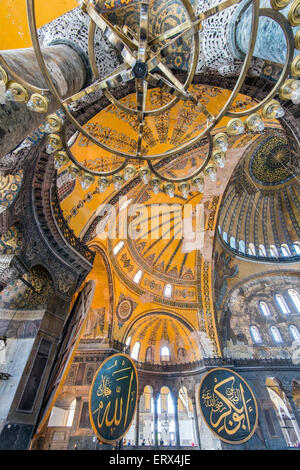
<point x="290" y="42"/>
<point x="82" y="167"/>
<point x="214" y="121"/>
<point x="190" y="176"/>
<point x="185" y="86"/>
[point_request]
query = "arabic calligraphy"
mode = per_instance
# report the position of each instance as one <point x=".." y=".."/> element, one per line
<point x="228" y="405"/>
<point x="113" y="398"/>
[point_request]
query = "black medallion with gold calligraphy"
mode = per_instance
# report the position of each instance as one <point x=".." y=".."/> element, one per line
<point x="113" y="398"/>
<point x="228" y="405"/>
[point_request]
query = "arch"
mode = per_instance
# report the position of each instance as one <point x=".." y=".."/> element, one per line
<point x="276" y="335"/>
<point x="137" y="276"/>
<point x="295" y="298"/>
<point x="118" y="247"/>
<point x="282" y="304"/>
<point x="168" y="291"/>
<point x="165" y="355"/>
<point x="255" y="334"/>
<point x="297" y="247"/>
<point x="135" y="350"/>
<point x="265" y="309"/>
<point x="149" y="354"/>
<point x="107" y="286"/>
<point x="285" y="415"/>
<point x="285" y="250"/>
<point x="294" y="332"/>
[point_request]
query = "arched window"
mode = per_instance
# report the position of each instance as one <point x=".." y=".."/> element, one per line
<point x="168" y="291"/>
<point x="165" y="353"/>
<point x="137" y="276"/>
<point x="273" y="251"/>
<point x="276" y="334"/>
<point x="128" y="341"/>
<point x="264" y="309"/>
<point x="225" y="237"/>
<point x="297" y="247"/>
<point x="285" y="250"/>
<point x="118" y="247"/>
<point x="149" y="354"/>
<point x="294" y="332"/>
<point x="255" y="334"/>
<point x="232" y="242"/>
<point x="242" y="246"/>
<point x="182" y="354"/>
<point x="262" y="250"/>
<point x="251" y="249"/>
<point x="282" y="303"/>
<point x="295" y="298"/>
<point x="135" y="350"/>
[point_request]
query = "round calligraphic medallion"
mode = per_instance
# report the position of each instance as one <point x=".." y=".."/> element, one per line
<point x="228" y="405"/>
<point x="113" y="398"/>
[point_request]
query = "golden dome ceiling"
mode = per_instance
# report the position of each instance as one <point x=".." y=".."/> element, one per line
<point x="156" y="330"/>
<point x="118" y="130"/>
<point x="259" y="216"/>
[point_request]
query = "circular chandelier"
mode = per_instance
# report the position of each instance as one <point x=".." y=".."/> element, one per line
<point x="143" y="54"/>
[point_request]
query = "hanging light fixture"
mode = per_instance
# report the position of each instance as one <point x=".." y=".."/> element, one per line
<point x="198" y="182"/>
<point x="53" y="143"/>
<point x="86" y="180"/>
<point x="155" y="184"/>
<point x="219" y="158"/>
<point x="184" y="188"/>
<point x="143" y="65"/>
<point x="255" y="123"/>
<point x="74" y="171"/>
<point x="169" y="189"/>
<point x="60" y="159"/>
<point x="129" y="172"/>
<point x="220" y="141"/>
<point x="145" y="174"/>
<point x="118" y="181"/>
<point x="211" y="172"/>
<point x="235" y="126"/>
<point x="103" y="183"/>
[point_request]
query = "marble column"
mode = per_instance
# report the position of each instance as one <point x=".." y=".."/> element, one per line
<point x="196" y="423"/>
<point x="137" y="422"/>
<point x="177" y="433"/>
<point x="155" y="427"/>
<point x="69" y="73"/>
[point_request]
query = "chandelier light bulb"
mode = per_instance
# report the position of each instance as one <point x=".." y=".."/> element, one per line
<point x="235" y="126"/>
<point x="129" y="172"/>
<point x="211" y="172"/>
<point x="10" y="95"/>
<point x="60" y="159"/>
<point x="118" y="181"/>
<point x="53" y="143"/>
<point x="255" y="123"/>
<point x="198" y="181"/>
<point x="39" y="104"/>
<point x="169" y="189"/>
<point x="219" y="158"/>
<point x="220" y="142"/>
<point x="74" y="171"/>
<point x="145" y="175"/>
<point x="290" y="91"/>
<point x="184" y="188"/>
<point x="103" y="184"/>
<point x="155" y="185"/>
<point x="86" y="180"/>
<point x="53" y="123"/>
